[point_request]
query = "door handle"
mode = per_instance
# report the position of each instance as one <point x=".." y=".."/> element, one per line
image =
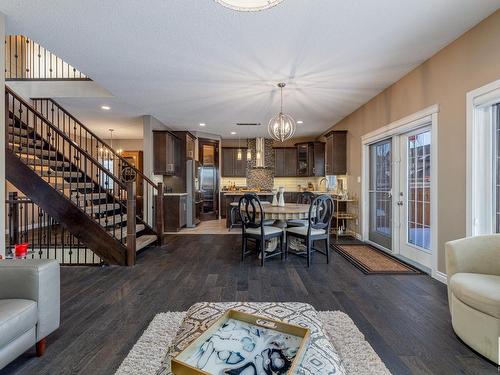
<point x="400" y="203"/>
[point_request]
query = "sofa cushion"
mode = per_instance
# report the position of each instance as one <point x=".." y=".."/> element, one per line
<point x="481" y="292"/>
<point x="17" y="316"/>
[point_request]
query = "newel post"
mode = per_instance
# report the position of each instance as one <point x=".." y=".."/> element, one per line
<point x="159" y="211"/>
<point x="131" y="219"/>
<point x="13" y="218"/>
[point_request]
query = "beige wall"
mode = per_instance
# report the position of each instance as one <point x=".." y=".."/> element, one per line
<point x="471" y="61"/>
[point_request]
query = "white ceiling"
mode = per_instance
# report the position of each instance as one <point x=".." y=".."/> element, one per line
<point x="192" y="61"/>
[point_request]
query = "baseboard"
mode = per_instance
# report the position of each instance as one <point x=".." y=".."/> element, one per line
<point x="440" y="276"/>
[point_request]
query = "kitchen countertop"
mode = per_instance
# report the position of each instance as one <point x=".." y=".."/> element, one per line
<point x="174" y="194"/>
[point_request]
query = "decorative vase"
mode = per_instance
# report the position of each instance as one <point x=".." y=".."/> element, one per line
<point x="275" y="199"/>
<point x="281" y="201"/>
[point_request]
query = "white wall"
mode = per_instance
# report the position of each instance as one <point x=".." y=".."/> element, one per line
<point x="2" y="138"/>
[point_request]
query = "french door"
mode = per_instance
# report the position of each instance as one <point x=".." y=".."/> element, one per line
<point x="414" y="200"/>
<point x="380" y="193"/>
<point x="399" y="195"/>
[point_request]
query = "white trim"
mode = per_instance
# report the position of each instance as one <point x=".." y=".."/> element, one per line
<point x="475" y="99"/>
<point x="426" y="116"/>
<point x="401" y="126"/>
<point x="440" y="276"/>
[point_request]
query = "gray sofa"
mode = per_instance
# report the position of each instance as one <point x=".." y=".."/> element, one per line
<point x="473" y="268"/>
<point x="29" y="305"/>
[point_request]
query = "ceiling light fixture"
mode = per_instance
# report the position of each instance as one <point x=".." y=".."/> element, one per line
<point x="106" y="107"/>
<point x="300" y="122"/>
<point x="233" y="133"/>
<point x="202" y="124"/>
<point x="282" y="126"/>
<point x="249" y="5"/>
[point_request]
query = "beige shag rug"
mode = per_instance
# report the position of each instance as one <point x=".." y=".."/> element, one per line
<point x="358" y="357"/>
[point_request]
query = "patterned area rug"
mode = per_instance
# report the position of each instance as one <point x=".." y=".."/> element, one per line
<point x="356" y="354"/>
<point x="371" y="260"/>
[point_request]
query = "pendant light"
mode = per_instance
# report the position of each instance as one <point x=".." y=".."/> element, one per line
<point x="282" y="126"/>
<point x="239" y="154"/>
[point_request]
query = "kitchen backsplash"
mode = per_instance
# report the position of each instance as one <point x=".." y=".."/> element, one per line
<point x="261" y="178"/>
<point x="289" y="183"/>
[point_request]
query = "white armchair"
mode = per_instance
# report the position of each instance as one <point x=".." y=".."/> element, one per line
<point x="473" y="269"/>
<point x="29" y="305"/>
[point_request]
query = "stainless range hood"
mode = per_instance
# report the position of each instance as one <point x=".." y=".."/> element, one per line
<point x="260" y="152"/>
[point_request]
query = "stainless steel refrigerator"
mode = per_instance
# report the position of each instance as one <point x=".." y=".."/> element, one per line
<point x="209" y="188"/>
<point x="192" y="189"/>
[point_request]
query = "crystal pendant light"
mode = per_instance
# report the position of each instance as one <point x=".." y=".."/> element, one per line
<point x="249" y="5"/>
<point x="282" y="126"/>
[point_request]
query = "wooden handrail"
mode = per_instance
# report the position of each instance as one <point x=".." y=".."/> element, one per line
<point x="63" y="135"/>
<point x="121" y="158"/>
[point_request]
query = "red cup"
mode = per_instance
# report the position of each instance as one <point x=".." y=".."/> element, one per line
<point x="21" y="250"/>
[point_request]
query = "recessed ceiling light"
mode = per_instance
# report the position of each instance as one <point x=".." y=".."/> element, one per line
<point x="300" y="122"/>
<point x="106" y="107"/>
<point x="202" y="124"/>
<point x="233" y="133"/>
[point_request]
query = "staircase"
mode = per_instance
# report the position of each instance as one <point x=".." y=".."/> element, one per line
<point x="57" y="165"/>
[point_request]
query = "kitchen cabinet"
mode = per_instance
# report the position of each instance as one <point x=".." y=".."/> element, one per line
<point x="285" y="162"/>
<point x="175" y="212"/>
<point x="310" y="159"/>
<point x="231" y="166"/>
<point x="336" y="153"/>
<point x="166" y="151"/>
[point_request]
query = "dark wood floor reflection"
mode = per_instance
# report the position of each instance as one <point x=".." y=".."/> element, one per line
<point x="105" y="310"/>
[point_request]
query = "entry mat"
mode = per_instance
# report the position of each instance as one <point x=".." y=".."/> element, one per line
<point x="371" y="260"/>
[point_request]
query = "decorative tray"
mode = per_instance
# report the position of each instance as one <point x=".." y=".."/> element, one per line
<point x="239" y="343"/>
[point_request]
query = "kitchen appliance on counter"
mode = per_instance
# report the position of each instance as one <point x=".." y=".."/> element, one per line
<point x="193" y="196"/>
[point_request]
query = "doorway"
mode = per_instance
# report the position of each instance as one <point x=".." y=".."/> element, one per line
<point x="400" y="189"/>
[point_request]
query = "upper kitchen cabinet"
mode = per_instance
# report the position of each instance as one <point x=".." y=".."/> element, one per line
<point x="310" y="159"/>
<point x="166" y="151"/>
<point x="231" y="166"/>
<point x="285" y="162"/>
<point x="336" y="152"/>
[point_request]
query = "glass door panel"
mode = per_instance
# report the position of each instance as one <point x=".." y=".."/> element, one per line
<point x="380" y="193"/>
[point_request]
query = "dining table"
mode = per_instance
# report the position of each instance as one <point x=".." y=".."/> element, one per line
<point x="281" y="214"/>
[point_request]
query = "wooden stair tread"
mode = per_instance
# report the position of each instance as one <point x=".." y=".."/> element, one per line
<point x="64" y="174"/>
<point x="45" y="162"/>
<point x="110" y="221"/>
<point x="117" y="232"/>
<point x="30" y="151"/>
<point x="88" y="197"/>
<point x="144" y="240"/>
<point x="101" y="208"/>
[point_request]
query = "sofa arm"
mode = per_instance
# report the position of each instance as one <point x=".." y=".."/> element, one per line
<point x="36" y="280"/>
<point x="480" y="254"/>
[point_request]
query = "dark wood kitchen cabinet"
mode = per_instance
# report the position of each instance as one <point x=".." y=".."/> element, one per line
<point x="285" y="162"/>
<point x="336" y="152"/>
<point x="166" y="151"/>
<point x="310" y="159"/>
<point x="231" y="166"/>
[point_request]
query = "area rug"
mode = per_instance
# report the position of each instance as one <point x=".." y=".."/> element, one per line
<point x="371" y="260"/>
<point x="357" y="355"/>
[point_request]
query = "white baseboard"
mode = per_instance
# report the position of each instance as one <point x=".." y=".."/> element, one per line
<point x="440" y="276"/>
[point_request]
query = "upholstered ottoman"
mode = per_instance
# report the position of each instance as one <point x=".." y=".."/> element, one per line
<point x="320" y="357"/>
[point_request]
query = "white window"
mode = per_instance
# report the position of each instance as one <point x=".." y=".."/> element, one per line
<point x="483" y="160"/>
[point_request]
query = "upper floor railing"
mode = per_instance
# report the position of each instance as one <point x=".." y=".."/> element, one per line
<point x="28" y="60"/>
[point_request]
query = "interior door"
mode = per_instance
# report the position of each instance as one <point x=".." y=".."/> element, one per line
<point x="380" y="193"/>
<point x="414" y="199"/>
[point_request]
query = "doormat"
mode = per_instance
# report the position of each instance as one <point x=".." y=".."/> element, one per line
<point x="371" y="260"/>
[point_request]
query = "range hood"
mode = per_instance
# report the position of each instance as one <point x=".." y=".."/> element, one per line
<point x="260" y="152"/>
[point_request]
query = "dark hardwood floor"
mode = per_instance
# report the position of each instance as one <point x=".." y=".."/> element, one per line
<point x="104" y="310"/>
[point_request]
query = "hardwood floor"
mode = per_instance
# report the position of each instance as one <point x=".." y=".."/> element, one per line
<point x="104" y="310"/>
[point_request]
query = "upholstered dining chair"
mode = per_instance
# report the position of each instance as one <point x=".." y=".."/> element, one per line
<point x="254" y="227"/>
<point x="306" y="197"/>
<point x="318" y="228"/>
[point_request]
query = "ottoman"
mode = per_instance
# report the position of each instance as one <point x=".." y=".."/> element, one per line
<point x="320" y="357"/>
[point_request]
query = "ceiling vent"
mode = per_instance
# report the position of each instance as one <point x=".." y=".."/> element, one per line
<point x="248" y="123"/>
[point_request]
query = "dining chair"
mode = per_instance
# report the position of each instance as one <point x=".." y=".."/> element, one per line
<point x="306" y="197"/>
<point x="254" y="227"/>
<point x="318" y="228"/>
